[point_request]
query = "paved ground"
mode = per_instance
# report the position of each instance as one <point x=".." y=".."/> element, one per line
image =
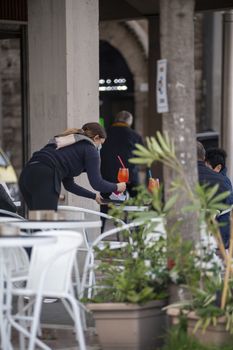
<point x="63" y="339"/>
<point x="57" y="330"/>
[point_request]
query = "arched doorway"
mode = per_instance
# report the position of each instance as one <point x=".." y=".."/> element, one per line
<point x="116" y="84"/>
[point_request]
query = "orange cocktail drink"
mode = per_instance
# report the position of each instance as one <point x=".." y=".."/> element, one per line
<point x="152" y="184"/>
<point x="123" y="175"/>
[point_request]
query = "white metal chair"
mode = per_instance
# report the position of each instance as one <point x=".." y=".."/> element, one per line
<point x="6" y="213"/>
<point x="82" y="214"/>
<point x="88" y="278"/>
<point x="17" y="256"/>
<point x="50" y="275"/>
<point x="19" y="263"/>
<point x="85" y="212"/>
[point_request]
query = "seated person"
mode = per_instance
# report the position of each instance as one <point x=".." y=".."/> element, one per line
<point x="216" y="160"/>
<point x="209" y="176"/>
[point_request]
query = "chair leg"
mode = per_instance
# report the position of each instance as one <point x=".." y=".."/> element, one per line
<point x="35" y="323"/>
<point x="21" y="335"/>
<point x="78" y="323"/>
<point x="91" y="276"/>
<point x="77" y="277"/>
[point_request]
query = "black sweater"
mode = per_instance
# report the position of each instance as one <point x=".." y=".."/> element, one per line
<point x="71" y="161"/>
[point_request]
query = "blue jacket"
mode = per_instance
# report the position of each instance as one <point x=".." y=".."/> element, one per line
<point x="228" y="184"/>
<point x="208" y="176"/>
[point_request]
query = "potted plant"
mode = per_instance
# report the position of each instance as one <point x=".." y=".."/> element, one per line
<point x="131" y="292"/>
<point x="209" y="311"/>
<point x="210" y="302"/>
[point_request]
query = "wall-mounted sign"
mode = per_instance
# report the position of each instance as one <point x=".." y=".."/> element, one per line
<point x="161" y="86"/>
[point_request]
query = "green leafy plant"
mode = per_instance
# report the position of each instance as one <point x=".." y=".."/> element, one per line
<point x="136" y="273"/>
<point x="186" y="258"/>
<point x="143" y="270"/>
<point x="178" y="339"/>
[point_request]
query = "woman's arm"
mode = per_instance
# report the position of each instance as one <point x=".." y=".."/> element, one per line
<point x="72" y="187"/>
<point x="92" y="166"/>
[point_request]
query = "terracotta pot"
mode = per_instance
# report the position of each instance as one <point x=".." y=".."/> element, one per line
<point x="214" y="335"/>
<point x="122" y="326"/>
<point x="178" y="293"/>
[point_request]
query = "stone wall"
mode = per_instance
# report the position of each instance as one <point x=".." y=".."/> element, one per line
<point x="10" y="96"/>
<point x="199" y="77"/>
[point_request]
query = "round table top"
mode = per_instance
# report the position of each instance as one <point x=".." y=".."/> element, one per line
<point x="58" y="224"/>
<point x="6" y="219"/>
<point x="25" y="241"/>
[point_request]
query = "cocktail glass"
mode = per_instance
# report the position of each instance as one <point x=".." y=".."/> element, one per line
<point x="123" y="175"/>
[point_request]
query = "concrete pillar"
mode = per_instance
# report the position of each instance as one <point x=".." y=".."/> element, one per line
<point x="217" y="72"/>
<point x="63" y="69"/>
<point x="154" y="120"/>
<point x="227" y="110"/>
<point x="213" y="69"/>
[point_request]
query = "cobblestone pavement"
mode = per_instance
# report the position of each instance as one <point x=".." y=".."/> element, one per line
<point x="58" y="331"/>
<point x="63" y="339"/>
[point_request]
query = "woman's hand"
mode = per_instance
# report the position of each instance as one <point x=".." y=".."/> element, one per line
<point x="98" y="198"/>
<point x="121" y="186"/>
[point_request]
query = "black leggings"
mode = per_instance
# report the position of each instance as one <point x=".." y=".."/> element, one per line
<point x="37" y="185"/>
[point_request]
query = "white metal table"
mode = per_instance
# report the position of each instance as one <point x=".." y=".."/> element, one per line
<point x="5" y="282"/>
<point x="6" y="219"/>
<point x="56" y="224"/>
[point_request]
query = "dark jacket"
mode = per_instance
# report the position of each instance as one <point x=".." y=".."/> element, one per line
<point x="71" y="161"/>
<point x="227" y="181"/>
<point x="121" y="140"/>
<point x="208" y="176"/>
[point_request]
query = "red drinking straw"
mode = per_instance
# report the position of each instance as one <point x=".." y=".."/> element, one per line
<point x="121" y="161"/>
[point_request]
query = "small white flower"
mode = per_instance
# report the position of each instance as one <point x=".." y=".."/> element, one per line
<point x="147" y="263"/>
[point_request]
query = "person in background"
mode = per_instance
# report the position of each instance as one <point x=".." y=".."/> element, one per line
<point x="66" y="156"/>
<point x="209" y="176"/>
<point x="216" y="160"/>
<point x="121" y="141"/>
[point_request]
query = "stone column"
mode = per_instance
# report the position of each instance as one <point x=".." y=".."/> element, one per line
<point x="177" y="46"/>
<point x="154" y="120"/>
<point x="63" y="69"/>
<point x="227" y="98"/>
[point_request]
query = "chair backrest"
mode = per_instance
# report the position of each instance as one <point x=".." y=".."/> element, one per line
<point x="51" y="265"/>
<point x="18" y="259"/>
<point x="157" y="230"/>
<point x="68" y="208"/>
<point x="10" y="214"/>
